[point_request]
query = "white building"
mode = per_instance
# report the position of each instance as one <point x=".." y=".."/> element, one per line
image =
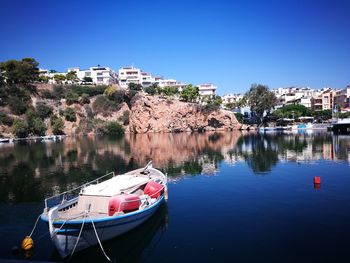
<point x="207" y="89"/>
<point x="129" y="75"/>
<point x="99" y="75"/>
<point x="231" y="98"/>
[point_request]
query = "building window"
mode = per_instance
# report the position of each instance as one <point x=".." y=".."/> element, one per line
<point x="99" y="79"/>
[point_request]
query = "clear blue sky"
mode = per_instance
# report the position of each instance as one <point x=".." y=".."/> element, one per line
<point x="230" y="43"/>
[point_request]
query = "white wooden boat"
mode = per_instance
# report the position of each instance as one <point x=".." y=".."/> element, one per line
<point x="104" y="208"/>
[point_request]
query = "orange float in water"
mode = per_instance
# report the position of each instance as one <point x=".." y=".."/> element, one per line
<point x="317" y="180"/>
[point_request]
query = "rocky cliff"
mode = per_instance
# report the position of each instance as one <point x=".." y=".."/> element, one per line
<point x="158" y="114"/>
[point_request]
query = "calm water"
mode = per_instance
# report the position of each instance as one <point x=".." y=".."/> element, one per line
<point x="233" y="197"/>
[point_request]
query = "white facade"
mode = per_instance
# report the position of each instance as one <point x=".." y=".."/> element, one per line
<point x="99" y="75"/>
<point x="207" y="89"/>
<point x="129" y="75"/>
<point x="231" y="98"/>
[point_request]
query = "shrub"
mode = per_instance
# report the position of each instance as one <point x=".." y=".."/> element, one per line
<point x="113" y="128"/>
<point x="38" y="127"/>
<point x="72" y="97"/>
<point x="18" y="105"/>
<point x="84" y="98"/>
<point x="43" y="111"/>
<point x="57" y="124"/>
<point x="90" y="90"/>
<point x="20" y="128"/>
<point x="118" y="96"/>
<point x="103" y="105"/>
<point x="5" y="119"/>
<point x="58" y="92"/>
<point x="70" y="115"/>
<point x="152" y="90"/>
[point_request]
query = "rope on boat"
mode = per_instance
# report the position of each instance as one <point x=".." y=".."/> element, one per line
<point x="36" y="222"/>
<point x="98" y="239"/>
<point x="76" y="243"/>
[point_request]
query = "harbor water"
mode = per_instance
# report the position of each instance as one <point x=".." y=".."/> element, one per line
<point x="233" y="197"/>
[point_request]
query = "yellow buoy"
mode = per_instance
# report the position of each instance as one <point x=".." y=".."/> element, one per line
<point x="27" y="243"/>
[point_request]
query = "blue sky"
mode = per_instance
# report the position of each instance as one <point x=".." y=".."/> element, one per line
<point x="229" y="43"/>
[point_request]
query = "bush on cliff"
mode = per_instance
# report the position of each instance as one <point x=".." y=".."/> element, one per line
<point x="84" y="99"/>
<point x="103" y="105"/>
<point x="20" y="128"/>
<point x="38" y="127"/>
<point x="57" y="125"/>
<point x="70" y="115"/>
<point x="190" y="93"/>
<point x="5" y="119"/>
<point x="43" y="111"/>
<point x="71" y="97"/>
<point x="113" y="128"/>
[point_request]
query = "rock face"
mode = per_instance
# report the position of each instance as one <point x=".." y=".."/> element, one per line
<point x="156" y="114"/>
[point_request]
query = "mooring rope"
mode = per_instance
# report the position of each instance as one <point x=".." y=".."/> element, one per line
<point x="98" y="239"/>
<point x="76" y="243"/>
<point x="36" y="222"/>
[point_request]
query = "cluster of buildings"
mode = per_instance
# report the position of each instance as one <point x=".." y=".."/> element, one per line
<point x="314" y="99"/>
<point x="125" y="75"/>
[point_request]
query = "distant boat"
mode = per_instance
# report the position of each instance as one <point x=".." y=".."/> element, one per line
<point x="103" y="208"/>
<point x="4" y="140"/>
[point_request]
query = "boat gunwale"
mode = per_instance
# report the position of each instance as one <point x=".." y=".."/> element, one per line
<point x="45" y="218"/>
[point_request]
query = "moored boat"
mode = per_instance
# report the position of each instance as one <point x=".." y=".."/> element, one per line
<point x="103" y="209"/>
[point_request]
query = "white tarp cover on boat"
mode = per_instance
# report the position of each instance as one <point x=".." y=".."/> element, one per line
<point x="114" y="186"/>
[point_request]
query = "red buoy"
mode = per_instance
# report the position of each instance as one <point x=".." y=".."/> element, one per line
<point x="317" y="180"/>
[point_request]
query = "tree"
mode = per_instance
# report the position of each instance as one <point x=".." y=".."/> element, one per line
<point x="69" y="114"/>
<point x="152" y="90"/>
<point x="20" y="72"/>
<point x="72" y="76"/>
<point x="57" y="124"/>
<point x="20" y="128"/>
<point x="190" y="93"/>
<point x="87" y="79"/>
<point x="59" y="78"/>
<point x="260" y="100"/>
<point x="113" y="128"/>
<point x="38" y="127"/>
<point x="291" y="111"/>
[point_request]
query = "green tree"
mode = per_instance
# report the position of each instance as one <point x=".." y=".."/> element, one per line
<point x="190" y="93"/>
<point x="69" y="114"/>
<point x="292" y="111"/>
<point x="20" y="128"/>
<point x="152" y="90"/>
<point x="169" y="91"/>
<point x="59" y="78"/>
<point x="72" y="76"/>
<point x="113" y="128"/>
<point x="87" y="79"/>
<point x="260" y="99"/>
<point x="20" y="72"/>
<point x="39" y="127"/>
<point x="57" y="124"/>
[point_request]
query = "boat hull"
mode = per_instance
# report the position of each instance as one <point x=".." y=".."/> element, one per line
<point x="107" y="228"/>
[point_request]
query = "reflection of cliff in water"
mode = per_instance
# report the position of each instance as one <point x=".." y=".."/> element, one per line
<point x="130" y="247"/>
<point x="30" y="171"/>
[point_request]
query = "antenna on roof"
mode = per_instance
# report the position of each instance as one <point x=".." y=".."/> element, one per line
<point x="98" y="65"/>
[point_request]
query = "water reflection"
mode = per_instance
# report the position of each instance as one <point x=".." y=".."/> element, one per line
<point x="31" y="171"/>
